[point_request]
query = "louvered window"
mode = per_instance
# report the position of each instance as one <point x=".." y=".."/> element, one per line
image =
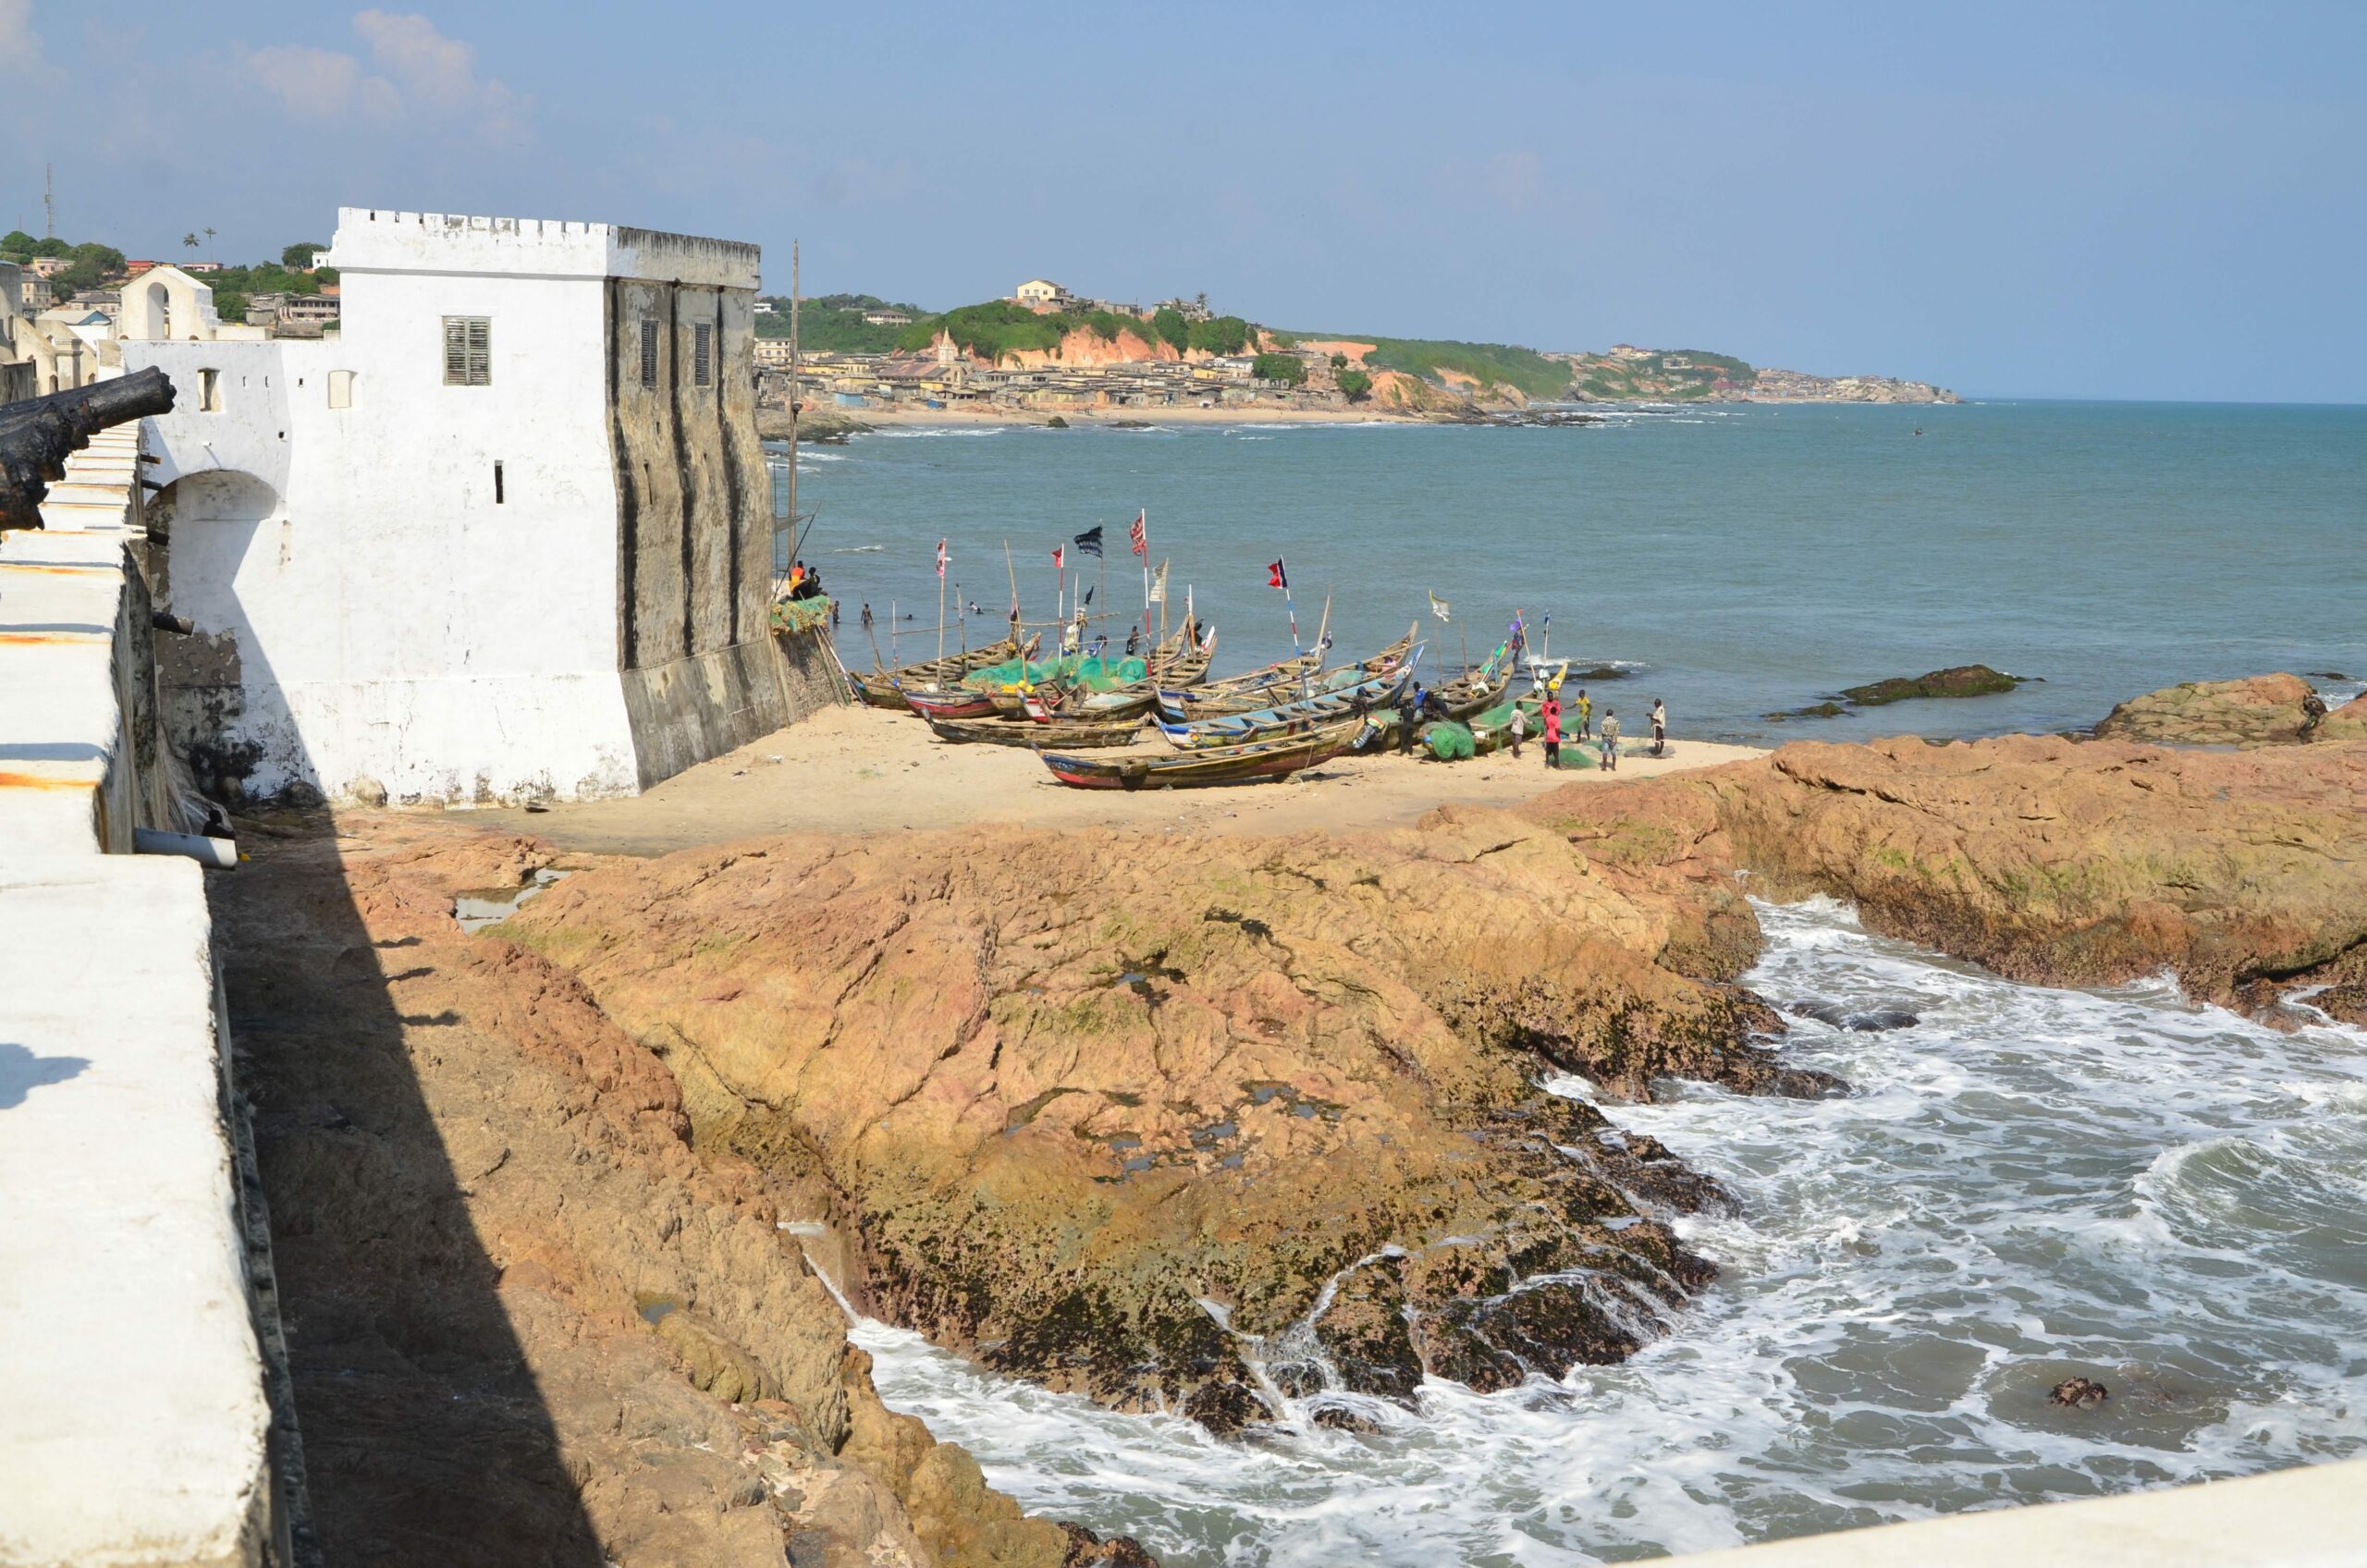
<point x="468" y="351"/>
<point x="649" y="352"/>
<point x="703" y="355"/>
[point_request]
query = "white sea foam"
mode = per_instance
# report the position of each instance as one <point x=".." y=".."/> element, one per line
<point x="2026" y="1183"/>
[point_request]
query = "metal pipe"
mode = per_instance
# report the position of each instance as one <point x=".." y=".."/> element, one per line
<point x="219" y="853"/>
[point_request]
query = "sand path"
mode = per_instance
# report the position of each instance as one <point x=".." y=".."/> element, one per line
<point x="864" y="770"/>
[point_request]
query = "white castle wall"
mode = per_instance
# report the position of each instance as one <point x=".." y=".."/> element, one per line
<point x="367" y="608"/>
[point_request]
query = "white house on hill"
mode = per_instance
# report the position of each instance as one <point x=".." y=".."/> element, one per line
<point x="507" y="535"/>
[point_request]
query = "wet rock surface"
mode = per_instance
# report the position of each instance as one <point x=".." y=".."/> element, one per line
<point x="527" y="1323"/>
<point x="2261" y="710"/>
<point x="1114" y="1112"/>
<point x="1957" y="680"/>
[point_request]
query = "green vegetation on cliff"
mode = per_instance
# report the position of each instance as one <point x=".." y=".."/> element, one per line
<point x="1674" y="374"/>
<point x="834" y="323"/>
<point x="998" y="327"/>
<point x="1286" y="368"/>
<point x="1504" y="363"/>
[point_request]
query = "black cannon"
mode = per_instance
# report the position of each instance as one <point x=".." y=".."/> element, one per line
<point x="37" y="434"/>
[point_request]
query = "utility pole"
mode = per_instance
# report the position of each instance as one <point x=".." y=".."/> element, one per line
<point x="49" y="200"/>
<point x="794" y="391"/>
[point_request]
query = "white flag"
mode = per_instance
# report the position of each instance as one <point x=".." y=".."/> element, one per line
<point x="1438" y="606"/>
<point x="1157" y="586"/>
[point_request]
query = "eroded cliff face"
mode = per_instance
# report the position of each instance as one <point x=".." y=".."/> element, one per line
<point x="2059" y="861"/>
<point x="1149" y="1117"/>
<point x="527" y="1323"/>
<point x="1084" y="346"/>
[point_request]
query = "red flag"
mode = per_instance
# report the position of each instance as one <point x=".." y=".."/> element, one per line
<point x="941" y="558"/>
<point x="1060" y="554"/>
<point x="1276" y="577"/>
<point x="1140" y="534"/>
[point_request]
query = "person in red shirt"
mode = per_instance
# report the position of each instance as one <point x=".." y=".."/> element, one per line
<point x="1552" y="731"/>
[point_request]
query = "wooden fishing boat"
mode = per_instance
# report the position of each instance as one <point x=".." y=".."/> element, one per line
<point x="1039" y="737"/>
<point x="1180" y="704"/>
<point x="1291" y="717"/>
<point x="949" y="702"/>
<point x="1136" y="697"/>
<point x="1215" y="765"/>
<point x="885" y="688"/>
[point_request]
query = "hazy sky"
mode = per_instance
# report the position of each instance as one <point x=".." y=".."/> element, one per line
<point x="2143" y="200"/>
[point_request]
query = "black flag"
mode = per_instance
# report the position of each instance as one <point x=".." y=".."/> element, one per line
<point x="1089" y="541"/>
<point x="1088" y="596"/>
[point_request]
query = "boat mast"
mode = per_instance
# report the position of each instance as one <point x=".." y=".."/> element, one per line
<point x="794" y="391"/>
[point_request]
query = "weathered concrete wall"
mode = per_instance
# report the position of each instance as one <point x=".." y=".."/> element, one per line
<point x="810" y="677"/>
<point x="694" y="532"/>
<point x="135" y="1427"/>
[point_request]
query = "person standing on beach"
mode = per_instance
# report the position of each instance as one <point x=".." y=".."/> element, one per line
<point x="1610" y="740"/>
<point x="1410" y="719"/>
<point x="1585" y="706"/>
<point x="1520" y="729"/>
<point x="1133" y="639"/>
<point x="1659" y="728"/>
<point x="1552" y="732"/>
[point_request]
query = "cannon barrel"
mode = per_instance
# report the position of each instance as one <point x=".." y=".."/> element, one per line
<point x="37" y="435"/>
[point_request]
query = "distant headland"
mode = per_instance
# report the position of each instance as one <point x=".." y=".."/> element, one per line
<point x="1042" y="350"/>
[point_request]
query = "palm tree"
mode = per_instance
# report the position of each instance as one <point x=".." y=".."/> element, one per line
<point x="209" y="244"/>
<point x="189" y="240"/>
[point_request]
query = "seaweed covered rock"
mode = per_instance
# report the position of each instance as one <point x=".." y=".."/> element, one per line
<point x="2260" y="710"/>
<point x="1957" y="680"/>
<point x="2348" y="722"/>
<point x="1123" y="1113"/>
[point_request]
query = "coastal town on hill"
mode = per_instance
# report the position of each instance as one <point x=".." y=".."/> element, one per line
<point x="1044" y="350"/>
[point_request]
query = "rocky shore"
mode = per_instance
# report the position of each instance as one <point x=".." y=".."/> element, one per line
<point x="1187" y="1119"/>
<point x="1157" y="1119"/>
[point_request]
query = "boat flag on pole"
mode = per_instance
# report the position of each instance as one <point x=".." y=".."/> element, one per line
<point x="1157" y="586"/>
<point x="1276" y="576"/>
<point x="1089" y="541"/>
<point x="942" y="558"/>
<point x="1059" y="557"/>
<point x="1139" y="531"/>
<point x="1438" y="606"/>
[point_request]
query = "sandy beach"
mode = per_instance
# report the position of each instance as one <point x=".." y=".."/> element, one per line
<point x="865" y="770"/>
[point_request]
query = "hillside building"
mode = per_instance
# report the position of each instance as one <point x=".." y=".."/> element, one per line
<point x="1042" y="294"/>
<point x="506" y="534"/>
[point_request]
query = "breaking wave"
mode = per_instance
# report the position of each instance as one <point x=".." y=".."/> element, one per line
<point x="2027" y="1183"/>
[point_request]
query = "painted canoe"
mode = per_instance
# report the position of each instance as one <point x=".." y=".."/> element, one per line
<point x="949" y="702"/>
<point x="885" y="688"/>
<point x="1291" y="718"/>
<point x="1036" y="737"/>
<point x="1212" y="765"/>
<point x="1283" y="682"/>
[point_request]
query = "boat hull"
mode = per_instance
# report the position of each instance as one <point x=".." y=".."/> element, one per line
<point x="1034" y="736"/>
<point x="1251" y="763"/>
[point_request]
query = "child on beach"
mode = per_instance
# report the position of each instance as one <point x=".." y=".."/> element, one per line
<point x="1586" y="713"/>
<point x="1610" y="741"/>
<point x="1552" y="732"/>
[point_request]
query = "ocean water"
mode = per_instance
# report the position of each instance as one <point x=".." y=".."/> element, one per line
<point x="1743" y="559"/>
<point x="2028" y="1184"/>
